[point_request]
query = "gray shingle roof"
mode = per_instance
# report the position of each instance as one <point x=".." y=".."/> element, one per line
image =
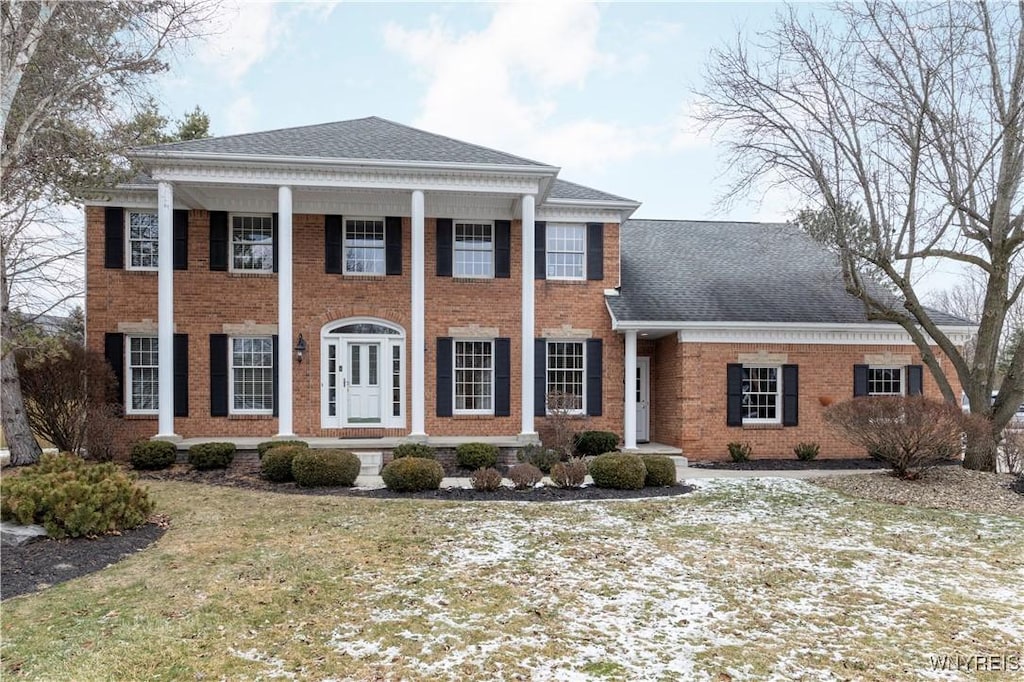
<point x="370" y="138"/>
<point x="690" y="271"/>
<point x="563" y="189"/>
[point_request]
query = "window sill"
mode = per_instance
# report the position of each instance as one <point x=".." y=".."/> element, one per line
<point x="472" y="417"/>
<point x="368" y="276"/>
<point x="142" y="417"/>
<point x="140" y="271"/>
<point x="245" y="275"/>
<point x="250" y="417"/>
<point x="576" y="282"/>
<point x="763" y="427"/>
<point x="470" y="278"/>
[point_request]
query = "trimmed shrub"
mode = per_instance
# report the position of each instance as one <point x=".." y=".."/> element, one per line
<point x="71" y="498"/>
<point x="412" y="474"/>
<point x="488" y="480"/>
<point x="322" y="468"/>
<point x="806" y="452"/>
<point x="661" y="471"/>
<point x="211" y="455"/>
<point x="262" y="448"/>
<point x="153" y="454"/>
<point x="740" y="452"/>
<point x="618" y="470"/>
<point x="539" y="456"/>
<point x="525" y="476"/>
<point x="569" y="474"/>
<point x="421" y="450"/>
<point x="276" y="463"/>
<point x="909" y="433"/>
<point x="476" y="455"/>
<point x="594" y="443"/>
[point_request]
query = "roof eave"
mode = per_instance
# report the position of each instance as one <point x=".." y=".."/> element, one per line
<point x="155" y="156"/>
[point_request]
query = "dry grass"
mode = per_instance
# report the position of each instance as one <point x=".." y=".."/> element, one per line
<point x="750" y="579"/>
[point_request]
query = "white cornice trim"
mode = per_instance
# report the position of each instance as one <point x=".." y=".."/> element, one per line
<point x="820" y="333"/>
<point x="249" y="160"/>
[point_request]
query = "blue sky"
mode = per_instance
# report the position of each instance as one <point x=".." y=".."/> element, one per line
<point x="605" y="91"/>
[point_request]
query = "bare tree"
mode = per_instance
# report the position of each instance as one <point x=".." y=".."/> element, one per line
<point x="73" y="78"/>
<point x="901" y="126"/>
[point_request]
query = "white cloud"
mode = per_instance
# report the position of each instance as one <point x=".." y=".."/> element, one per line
<point x="240" y="116"/>
<point x="240" y="36"/>
<point x="501" y="86"/>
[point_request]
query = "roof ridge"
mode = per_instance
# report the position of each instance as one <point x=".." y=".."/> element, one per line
<point x="692" y="220"/>
<point x="452" y="139"/>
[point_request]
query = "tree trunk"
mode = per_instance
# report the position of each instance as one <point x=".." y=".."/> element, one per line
<point x="20" y="441"/>
<point x="981" y="449"/>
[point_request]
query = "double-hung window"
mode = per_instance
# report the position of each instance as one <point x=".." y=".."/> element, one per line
<point x="252" y="243"/>
<point x="762" y="391"/>
<point x="143" y="240"/>
<point x="364" y="246"/>
<point x="252" y="375"/>
<point x="885" y="381"/>
<point x="566" y="251"/>
<point x="474" y="377"/>
<point x="474" y="249"/>
<point x="566" y="380"/>
<point x="143" y="375"/>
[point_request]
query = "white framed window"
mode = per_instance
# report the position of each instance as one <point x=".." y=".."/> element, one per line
<point x="885" y="381"/>
<point x="252" y="242"/>
<point x="566" y="373"/>
<point x="474" y="377"/>
<point x="143" y="387"/>
<point x="566" y="251"/>
<point x="143" y="240"/>
<point x="474" y="249"/>
<point x="252" y="375"/>
<point x="762" y="394"/>
<point x="364" y="246"/>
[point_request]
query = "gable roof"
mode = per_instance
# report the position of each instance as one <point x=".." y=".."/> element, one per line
<point x="696" y="271"/>
<point x="369" y="138"/>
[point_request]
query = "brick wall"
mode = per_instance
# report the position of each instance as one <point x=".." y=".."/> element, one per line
<point x="693" y="377"/>
<point x="204" y="301"/>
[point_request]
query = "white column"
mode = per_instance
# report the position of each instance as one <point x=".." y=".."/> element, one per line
<point x="284" y="313"/>
<point x="417" y="343"/>
<point x="165" y="309"/>
<point x="629" y="415"/>
<point x="527" y="313"/>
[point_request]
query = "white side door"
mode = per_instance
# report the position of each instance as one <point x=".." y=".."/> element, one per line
<point x="643" y="400"/>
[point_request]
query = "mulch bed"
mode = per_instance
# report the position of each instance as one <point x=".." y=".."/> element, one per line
<point x="41" y="564"/>
<point x="865" y="463"/>
<point x="246" y="475"/>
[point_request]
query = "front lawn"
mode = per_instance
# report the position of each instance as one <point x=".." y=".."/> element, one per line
<point x="743" y="579"/>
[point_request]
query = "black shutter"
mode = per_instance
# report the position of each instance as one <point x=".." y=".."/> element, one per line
<point x="180" y="239"/>
<point x="444" y="247"/>
<point x="502" y="377"/>
<point x="790" y="395"/>
<point x="540" y="250"/>
<point x="181" y="375"/>
<point x="333" y="240"/>
<point x="915" y="379"/>
<point x="393" y="245"/>
<point x="502" y="248"/>
<point x="276" y="374"/>
<point x="114" y="227"/>
<point x="734" y="394"/>
<point x="218" y="375"/>
<point x="595" y="251"/>
<point x="540" y="377"/>
<point x="444" y="376"/>
<point x="595" y="364"/>
<point x="273" y="241"/>
<point x="113" y="351"/>
<point x="860" y="380"/>
<point x="218" y="240"/>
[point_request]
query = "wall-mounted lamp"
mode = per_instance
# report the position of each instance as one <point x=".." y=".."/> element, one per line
<point x="300" y="348"/>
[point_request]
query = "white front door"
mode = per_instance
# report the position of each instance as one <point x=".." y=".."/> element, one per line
<point x="643" y="400"/>
<point x="361" y="379"/>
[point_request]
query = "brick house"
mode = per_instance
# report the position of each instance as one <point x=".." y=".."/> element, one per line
<point x="362" y="283"/>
